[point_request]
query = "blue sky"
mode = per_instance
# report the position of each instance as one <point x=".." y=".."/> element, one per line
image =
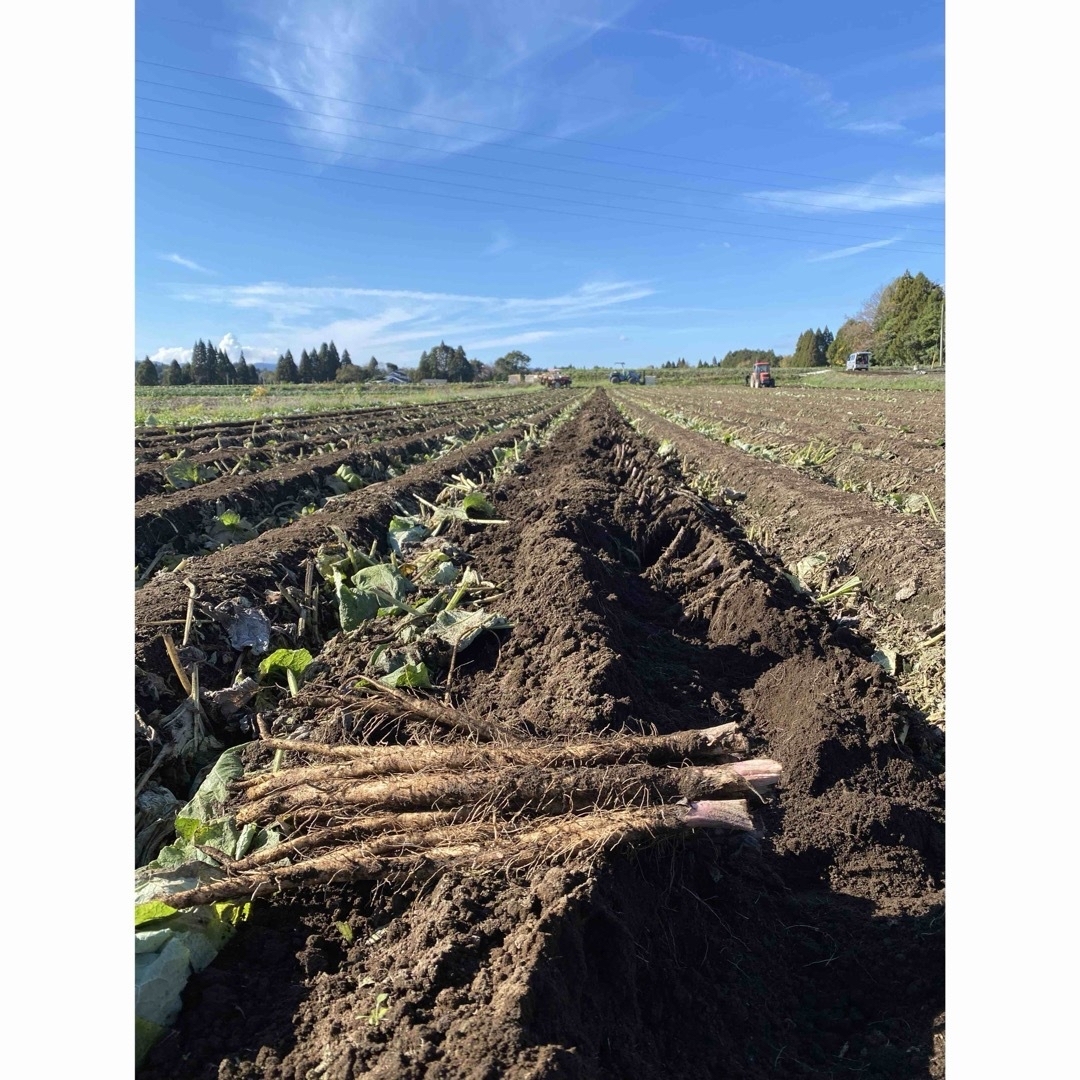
<point x="589" y="181"/>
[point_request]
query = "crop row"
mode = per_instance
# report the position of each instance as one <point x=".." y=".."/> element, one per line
<point x="913" y="483"/>
<point x="612" y="606"/>
<point x="234" y="509"/>
<point x="188" y="466"/>
<point x="901" y="421"/>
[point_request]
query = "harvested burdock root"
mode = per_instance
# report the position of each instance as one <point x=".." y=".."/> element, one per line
<point x="723" y="743"/>
<point x="476" y="845"/>
<point x="526" y="789"/>
<point x="394" y="811"/>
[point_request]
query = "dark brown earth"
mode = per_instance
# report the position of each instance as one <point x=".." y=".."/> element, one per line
<point x="815" y="950"/>
<point x="882" y="443"/>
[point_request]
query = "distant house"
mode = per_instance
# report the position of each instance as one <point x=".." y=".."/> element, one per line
<point x="395" y="377"/>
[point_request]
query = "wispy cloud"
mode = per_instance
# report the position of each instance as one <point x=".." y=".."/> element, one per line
<point x="189" y="264"/>
<point x="745" y="67"/>
<point x="501" y="241"/>
<point x="397" y="324"/>
<point x="369" y="52"/>
<point x="876" y="195"/>
<point x="935" y="140"/>
<point x="847" y="252"/>
<point x="874" y="127"/>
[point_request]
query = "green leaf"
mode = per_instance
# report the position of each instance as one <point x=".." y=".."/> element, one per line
<point x="383" y="578"/>
<point x="409" y="676"/>
<point x="294" y="660"/>
<point x="476" y="505"/>
<point x="151" y="911"/>
<point x="353" y="608"/>
<point x="345" y="930"/>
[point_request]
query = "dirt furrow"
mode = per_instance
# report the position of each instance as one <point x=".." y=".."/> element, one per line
<point x="815" y="949"/>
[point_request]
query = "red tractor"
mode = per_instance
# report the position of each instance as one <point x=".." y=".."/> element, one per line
<point x="761" y="375"/>
<point x="553" y="378"/>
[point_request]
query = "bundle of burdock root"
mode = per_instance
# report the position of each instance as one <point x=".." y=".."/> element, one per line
<point x="354" y="812"/>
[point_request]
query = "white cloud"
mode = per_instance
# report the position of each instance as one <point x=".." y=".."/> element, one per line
<point x="189" y="264"/>
<point x="365" y="51"/>
<point x="906" y="193"/>
<point x="252" y="353"/>
<point x="397" y="324"/>
<point x="874" y="127"/>
<point x="167" y="354"/>
<point x="844" y="253"/>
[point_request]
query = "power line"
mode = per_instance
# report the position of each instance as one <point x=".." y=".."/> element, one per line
<point x="486" y="202"/>
<point x="480" y="157"/>
<point x="532" y="134"/>
<point x="647" y="109"/>
<point x="519" y="149"/>
<point x="472" y="187"/>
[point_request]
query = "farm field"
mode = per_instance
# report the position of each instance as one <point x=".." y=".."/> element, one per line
<point x="591" y="732"/>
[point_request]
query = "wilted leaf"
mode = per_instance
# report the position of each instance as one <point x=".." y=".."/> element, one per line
<point x="405" y="530"/>
<point x="461" y="628"/>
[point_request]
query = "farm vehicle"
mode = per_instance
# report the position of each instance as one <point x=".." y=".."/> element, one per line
<point x="625" y="376"/>
<point x="760" y="376"/>
<point x="553" y="378"/>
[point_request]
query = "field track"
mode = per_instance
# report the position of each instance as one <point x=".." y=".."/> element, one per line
<point x="637" y="605"/>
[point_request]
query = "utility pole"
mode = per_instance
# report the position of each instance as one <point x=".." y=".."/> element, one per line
<point x="941" y="334"/>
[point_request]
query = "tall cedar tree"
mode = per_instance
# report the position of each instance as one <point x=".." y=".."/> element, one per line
<point x="286" y="370"/>
<point x="307" y="367"/>
<point x="226" y="373"/>
<point x="146" y="373"/>
<point x="202" y="365"/>
<point x="803" y="356"/>
<point x="333" y="363"/>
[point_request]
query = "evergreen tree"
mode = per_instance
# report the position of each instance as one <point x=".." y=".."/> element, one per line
<point x="908" y="321"/>
<point x="306" y="370"/>
<point x="202" y="365"/>
<point x="373" y="366"/>
<point x="146" y="373"/>
<point x="185" y="375"/>
<point x="243" y="375"/>
<point x="823" y="339"/>
<point x="322" y="364"/>
<point x="346" y="359"/>
<point x="287" y="371"/>
<point x="803" y="357"/>
<point x="458" y="368"/>
<point x="333" y="362"/>
<point x="172" y="375"/>
<point x="224" y="370"/>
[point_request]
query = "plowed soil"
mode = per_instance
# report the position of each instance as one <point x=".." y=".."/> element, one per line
<point x="813" y="949"/>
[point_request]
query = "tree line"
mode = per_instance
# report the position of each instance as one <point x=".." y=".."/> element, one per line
<point x="899" y="325"/>
<point x="209" y="366"/>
